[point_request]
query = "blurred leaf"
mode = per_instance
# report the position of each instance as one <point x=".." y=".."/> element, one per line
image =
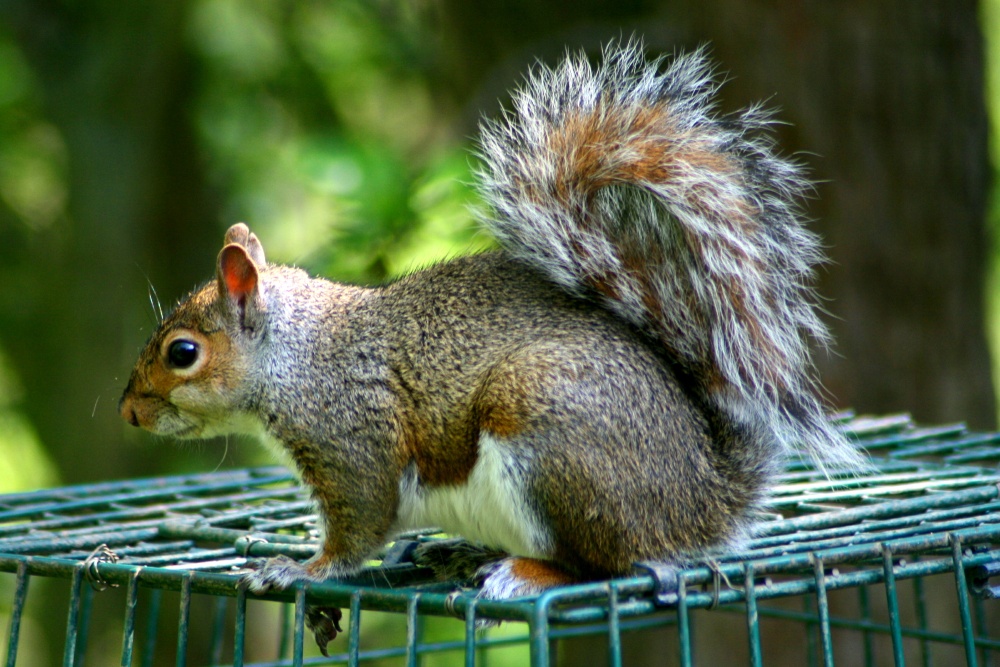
<point x="442" y="202"/>
<point x="24" y="464"/>
<point x="32" y="178"/>
<point x="241" y="37"/>
<point x="325" y="139"/>
<point x="15" y="76"/>
<point x="32" y="153"/>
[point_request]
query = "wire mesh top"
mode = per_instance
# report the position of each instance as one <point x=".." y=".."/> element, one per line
<point x="931" y="494"/>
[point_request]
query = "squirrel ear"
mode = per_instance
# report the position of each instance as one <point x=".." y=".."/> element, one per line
<point x="237" y="274"/>
<point x="241" y="235"/>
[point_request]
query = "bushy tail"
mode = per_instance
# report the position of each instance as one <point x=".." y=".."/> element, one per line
<point x="622" y="183"/>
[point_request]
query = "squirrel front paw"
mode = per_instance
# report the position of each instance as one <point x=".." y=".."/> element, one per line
<point x="281" y="572"/>
<point x="276" y="573"/>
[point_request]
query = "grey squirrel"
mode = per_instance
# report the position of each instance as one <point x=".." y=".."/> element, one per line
<point x="616" y="383"/>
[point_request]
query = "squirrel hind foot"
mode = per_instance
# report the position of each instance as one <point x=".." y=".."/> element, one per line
<point x="456" y="559"/>
<point x="498" y="575"/>
<point x="517" y="576"/>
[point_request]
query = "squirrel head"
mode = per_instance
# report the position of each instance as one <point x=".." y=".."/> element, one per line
<point x="192" y="378"/>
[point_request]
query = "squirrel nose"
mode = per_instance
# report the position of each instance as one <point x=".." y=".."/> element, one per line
<point x="128" y="412"/>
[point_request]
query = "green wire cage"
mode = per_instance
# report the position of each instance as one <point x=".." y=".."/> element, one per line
<point x="892" y="567"/>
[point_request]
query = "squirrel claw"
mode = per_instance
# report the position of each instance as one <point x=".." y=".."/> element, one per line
<point x="324" y="622"/>
<point x="279" y="573"/>
<point x="254" y="563"/>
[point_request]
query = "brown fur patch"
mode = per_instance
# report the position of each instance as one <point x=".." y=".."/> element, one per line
<point x="505" y="403"/>
<point x="154" y="380"/>
<point x="658" y="153"/>
<point x="540" y="573"/>
<point x="657" y="150"/>
<point x="216" y="368"/>
<point x="160" y="379"/>
<point x="442" y="459"/>
<point x="443" y="446"/>
<point x="455" y="466"/>
<point x="604" y="285"/>
<point x="455" y="470"/>
<point x="502" y="415"/>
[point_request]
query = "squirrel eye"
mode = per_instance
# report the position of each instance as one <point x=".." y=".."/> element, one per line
<point x="182" y="354"/>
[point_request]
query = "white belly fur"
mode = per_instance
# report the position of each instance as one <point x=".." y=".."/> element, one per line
<point x="489" y="507"/>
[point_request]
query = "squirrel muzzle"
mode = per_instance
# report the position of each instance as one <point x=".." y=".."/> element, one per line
<point x="126" y="407"/>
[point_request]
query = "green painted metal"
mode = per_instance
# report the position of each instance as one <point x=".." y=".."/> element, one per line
<point x="929" y="508"/>
<point x="239" y="640"/>
<point x="892" y="604"/>
<point x="183" y="620"/>
<point x="412" y="630"/>
<point x="938" y="637"/>
<point x="539" y="631"/>
<point x="131" y="602"/>
<point x="300" y="617"/>
<point x="683" y="624"/>
<point x="17" y="609"/>
<point x="152" y="627"/>
<point x="753" y="618"/>
<point x="73" y="618"/>
<point x="354" y="629"/>
<point x="823" y="611"/>
<point x="614" y="628"/>
<point x="470" y="634"/>
<point x="963" y="601"/>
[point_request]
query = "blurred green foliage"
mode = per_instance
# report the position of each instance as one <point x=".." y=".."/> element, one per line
<point x="32" y="196"/>
<point x="990" y="20"/>
<point x="32" y="155"/>
<point x="24" y="464"/>
<point x="318" y="125"/>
